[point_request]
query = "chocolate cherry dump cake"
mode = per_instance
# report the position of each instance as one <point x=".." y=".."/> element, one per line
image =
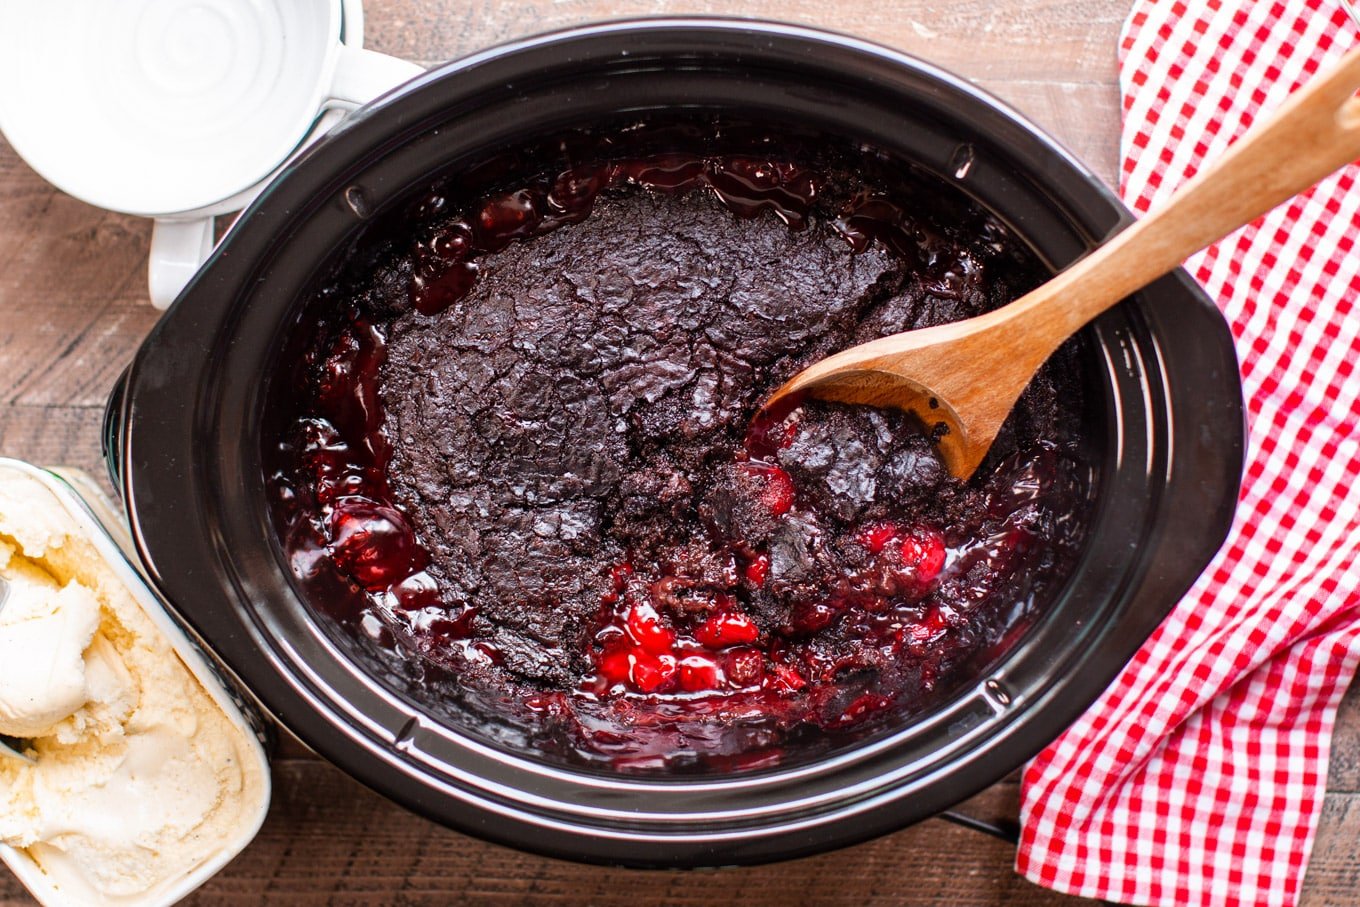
<point x="524" y="463"/>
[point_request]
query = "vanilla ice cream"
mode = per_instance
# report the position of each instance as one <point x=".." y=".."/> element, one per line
<point x="138" y="775"/>
<point x="45" y="629"/>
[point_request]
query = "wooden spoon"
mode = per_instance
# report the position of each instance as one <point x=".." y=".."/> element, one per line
<point x="967" y="375"/>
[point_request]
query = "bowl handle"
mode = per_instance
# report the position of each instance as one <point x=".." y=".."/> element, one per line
<point x="178" y="250"/>
<point x="362" y="75"/>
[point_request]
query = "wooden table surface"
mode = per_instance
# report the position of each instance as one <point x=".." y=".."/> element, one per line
<point x="73" y="309"/>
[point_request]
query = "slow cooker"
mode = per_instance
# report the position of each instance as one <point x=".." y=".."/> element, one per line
<point x="184" y="443"/>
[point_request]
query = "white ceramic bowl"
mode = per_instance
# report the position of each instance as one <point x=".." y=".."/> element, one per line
<point x="179" y="110"/>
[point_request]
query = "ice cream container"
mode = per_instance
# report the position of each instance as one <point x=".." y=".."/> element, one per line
<point x="85" y="514"/>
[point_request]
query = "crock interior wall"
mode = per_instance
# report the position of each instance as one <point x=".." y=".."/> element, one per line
<point x="483" y="168"/>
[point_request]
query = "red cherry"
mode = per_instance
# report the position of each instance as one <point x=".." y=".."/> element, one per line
<point x="485" y="653"/>
<point x="573" y="192"/>
<point x="645" y="627"/>
<point x="811" y="617"/>
<point x="924" y="551"/>
<point x="926" y="630"/>
<point x="458" y="626"/>
<point x="700" y="672"/>
<point x="745" y="667"/>
<point x="616" y="663"/>
<point x="330" y="488"/>
<point x="419" y="590"/>
<point x="787" y="680"/>
<point x="432" y="294"/>
<point x="511" y="215"/>
<point x="758" y="569"/>
<point x="729" y="628"/>
<point x="453" y="243"/>
<point x="331" y="462"/>
<point x="373" y="544"/>
<point x="652" y="672"/>
<point x="347" y="389"/>
<point x="774" y="429"/>
<point x="777" y="493"/>
<point x="876" y="536"/>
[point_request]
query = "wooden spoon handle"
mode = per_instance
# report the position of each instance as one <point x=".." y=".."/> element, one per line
<point x="1315" y="132"/>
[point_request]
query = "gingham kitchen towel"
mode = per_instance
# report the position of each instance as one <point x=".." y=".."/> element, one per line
<point x="1198" y="776"/>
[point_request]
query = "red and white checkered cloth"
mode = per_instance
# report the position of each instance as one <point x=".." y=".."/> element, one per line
<point x="1198" y="776"/>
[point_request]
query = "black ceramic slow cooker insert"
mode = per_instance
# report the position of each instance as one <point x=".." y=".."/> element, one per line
<point x="187" y="431"/>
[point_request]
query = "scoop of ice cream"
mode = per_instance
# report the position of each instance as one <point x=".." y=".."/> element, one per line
<point x="45" y="629"/>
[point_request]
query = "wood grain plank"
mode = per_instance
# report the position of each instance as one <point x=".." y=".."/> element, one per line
<point x="1069" y="89"/>
<point x="72" y="290"/>
<point x="1344" y="771"/>
<point x="977" y="38"/>
<point x="1333" y="877"/>
<point x="1082" y="116"/>
<point x="54" y="436"/>
<point x="330" y="841"/>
